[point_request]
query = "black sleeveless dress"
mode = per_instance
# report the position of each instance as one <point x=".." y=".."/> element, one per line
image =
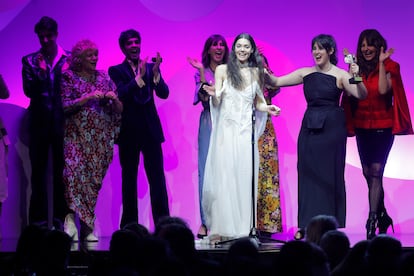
<point x="321" y="151"/>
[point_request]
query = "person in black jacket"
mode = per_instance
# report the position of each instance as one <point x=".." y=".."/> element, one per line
<point x="4" y="148"/>
<point x="141" y="130"/>
<point x="41" y="83"/>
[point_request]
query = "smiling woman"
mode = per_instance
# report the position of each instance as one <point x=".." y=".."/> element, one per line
<point x="322" y="137"/>
<point x="230" y="171"/>
<point x="215" y="52"/>
<point x="92" y="121"/>
<point x="376" y="120"/>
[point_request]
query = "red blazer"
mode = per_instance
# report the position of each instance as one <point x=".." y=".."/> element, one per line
<point x="401" y="120"/>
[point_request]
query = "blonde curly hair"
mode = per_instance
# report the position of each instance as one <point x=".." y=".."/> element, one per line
<point x="78" y="51"/>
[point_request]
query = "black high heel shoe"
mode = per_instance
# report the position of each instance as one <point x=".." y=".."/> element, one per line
<point x="371" y="225"/>
<point x="384" y="221"/>
<point x="300" y="234"/>
<point x="202" y="232"/>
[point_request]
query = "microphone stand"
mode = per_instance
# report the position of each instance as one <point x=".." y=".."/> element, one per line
<point x="253" y="231"/>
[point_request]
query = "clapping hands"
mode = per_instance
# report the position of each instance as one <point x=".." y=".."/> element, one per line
<point x="195" y="63"/>
<point x="156" y="67"/>
<point x="42" y="62"/>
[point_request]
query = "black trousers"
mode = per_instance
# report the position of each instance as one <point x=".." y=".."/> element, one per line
<point x="44" y="136"/>
<point x="129" y="153"/>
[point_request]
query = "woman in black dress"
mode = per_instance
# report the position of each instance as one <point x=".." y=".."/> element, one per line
<point x="322" y="138"/>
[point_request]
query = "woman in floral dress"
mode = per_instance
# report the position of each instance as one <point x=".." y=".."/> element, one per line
<point x="269" y="216"/>
<point x="92" y="120"/>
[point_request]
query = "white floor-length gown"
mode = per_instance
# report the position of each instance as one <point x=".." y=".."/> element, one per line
<point x="227" y="189"/>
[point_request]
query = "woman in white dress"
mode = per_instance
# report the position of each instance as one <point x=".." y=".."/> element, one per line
<point x="228" y="178"/>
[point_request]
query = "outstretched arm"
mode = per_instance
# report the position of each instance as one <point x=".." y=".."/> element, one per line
<point x="293" y="78"/>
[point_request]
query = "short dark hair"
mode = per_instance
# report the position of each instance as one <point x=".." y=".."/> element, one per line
<point x="46" y="23"/>
<point x="125" y="35"/>
<point x="328" y="43"/>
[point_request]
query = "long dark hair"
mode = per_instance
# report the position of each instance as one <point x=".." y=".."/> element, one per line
<point x="374" y="38"/>
<point x="205" y="56"/>
<point x="255" y="60"/>
<point x="328" y="43"/>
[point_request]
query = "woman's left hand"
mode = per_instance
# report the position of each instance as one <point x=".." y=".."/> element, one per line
<point x="384" y="55"/>
<point x="195" y="63"/>
<point x="273" y="110"/>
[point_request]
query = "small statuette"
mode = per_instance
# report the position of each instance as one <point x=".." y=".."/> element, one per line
<point x="349" y="59"/>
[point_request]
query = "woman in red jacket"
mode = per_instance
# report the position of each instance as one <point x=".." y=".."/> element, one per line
<point x="375" y="120"/>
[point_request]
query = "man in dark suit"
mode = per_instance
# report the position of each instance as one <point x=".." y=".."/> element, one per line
<point x="141" y="130"/>
<point x="41" y="83"/>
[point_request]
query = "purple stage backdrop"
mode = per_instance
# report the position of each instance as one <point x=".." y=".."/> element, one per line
<point x="178" y="29"/>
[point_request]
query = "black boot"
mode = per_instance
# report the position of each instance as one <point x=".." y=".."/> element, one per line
<point x="371" y="225"/>
<point x="384" y="221"/>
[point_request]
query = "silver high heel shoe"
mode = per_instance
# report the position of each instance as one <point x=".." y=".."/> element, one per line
<point x="91" y="238"/>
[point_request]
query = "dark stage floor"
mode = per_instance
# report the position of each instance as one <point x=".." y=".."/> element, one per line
<point x="274" y="244"/>
<point x="83" y="253"/>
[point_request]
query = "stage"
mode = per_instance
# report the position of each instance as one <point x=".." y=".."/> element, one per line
<point x="82" y="254"/>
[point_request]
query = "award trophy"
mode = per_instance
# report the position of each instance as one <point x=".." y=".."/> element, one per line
<point x="349" y="59"/>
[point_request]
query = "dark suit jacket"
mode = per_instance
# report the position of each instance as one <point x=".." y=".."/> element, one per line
<point x="44" y="93"/>
<point x="136" y="113"/>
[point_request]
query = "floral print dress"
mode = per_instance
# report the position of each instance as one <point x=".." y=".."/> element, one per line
<point x="269" y="216"/>
<point x="90" y="132"/>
